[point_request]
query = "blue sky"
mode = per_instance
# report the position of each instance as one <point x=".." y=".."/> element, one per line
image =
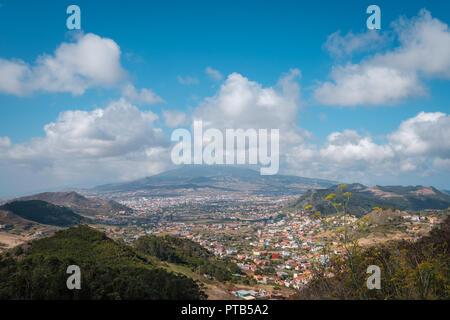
<point x="163" y="42"/>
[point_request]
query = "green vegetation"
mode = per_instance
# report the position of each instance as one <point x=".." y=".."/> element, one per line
<point x="78" y="203"/>
<point x="186" y="252"/>
<point x="409" y="270"/>
<point x="364" y="200"/>
<point x="43" y="212"/>
<point x="108" y="270"/>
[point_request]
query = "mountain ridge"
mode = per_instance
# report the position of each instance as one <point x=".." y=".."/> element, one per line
<point x="230" y="178"/>
<point x="43" y="212"/>
<point x="364" y="198"/>
<point x="78" y="203"/>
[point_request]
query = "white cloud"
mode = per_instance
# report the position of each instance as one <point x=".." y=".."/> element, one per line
<point x="420" y="146"/>
<point x="349" y="44"/>
<point x="424" y="48"/>
<point x="213" y="74"/>
<point x="140" y="97"/>
<point x="368" y="84"/>
<point x="174" y="118"/>
<point x="346" y="155"/>
<point x="13" y="74"/>
<point x="348" y="147"/>
<point x="119" y="142"/>
<point x="241" y="103"/>
<point x="425" y="134"/>
<point x="4" y="142"/>
<point x="244" y="104"/>
<point x="188" y="80"/>
<point x="90" y="61"/>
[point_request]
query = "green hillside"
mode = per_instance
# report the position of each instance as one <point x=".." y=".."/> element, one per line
<point x="109" y="270"/>
<point x="79" y="204"/>
<point x="188" y="253"/>
<point x="43" y="212"/>
<point x="363" y="199"/>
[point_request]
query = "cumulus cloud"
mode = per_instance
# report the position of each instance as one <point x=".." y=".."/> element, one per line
<point x="346" y="155"/>
<point x="419" y="146"/>
<point x="423" y="51"/>
<point x="13" y="75"/>
<point x="174" y="118"/>
<point x="121" y="142"/>
<point x="368" y="84"/>
<point x="349" y="147"/>
<point x="428" y="134"/>
<point x="118" y="142"/>
<point x="90" y="61"/>
<point x="424" y="46"/>
<point x="140" y="97"/>
<point x="213" y="74"/>
<point x="349" y="44"/>
<point x="243" y="103"/>
<point x="101" y="132"/>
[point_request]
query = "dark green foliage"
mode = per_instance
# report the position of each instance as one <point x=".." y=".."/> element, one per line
<point x="44" y="212"/>
<point x="409" y="270"/>
<point x="78" y="203"/>
<point x="186" y="252"/>
<point x="108" y="271"/>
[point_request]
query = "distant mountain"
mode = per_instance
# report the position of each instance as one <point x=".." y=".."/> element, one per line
<point x="219" y="179"/>
<point x="363" y="198"/>
<point x="80" y="204"/>
<point x="110" y="270"/>
<point x="42" y="212"/>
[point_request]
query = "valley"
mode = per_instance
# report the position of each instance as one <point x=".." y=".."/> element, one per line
<point x="272" y="240"/>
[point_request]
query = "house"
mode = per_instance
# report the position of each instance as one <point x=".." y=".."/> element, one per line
<point x="245" y="294"/>
<point x="430" y="219"/>
<point x="262" y="293"/>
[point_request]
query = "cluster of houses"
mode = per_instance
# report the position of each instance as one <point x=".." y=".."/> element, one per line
<point x="253" y="295"/>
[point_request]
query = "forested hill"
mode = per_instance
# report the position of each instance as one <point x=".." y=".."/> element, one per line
<point x="43" y="212"/>
<point x="363" y="198"/>
<point x="109" y="270"/>
<point x="79" y="204"/>
<point x="186" y="252"/>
